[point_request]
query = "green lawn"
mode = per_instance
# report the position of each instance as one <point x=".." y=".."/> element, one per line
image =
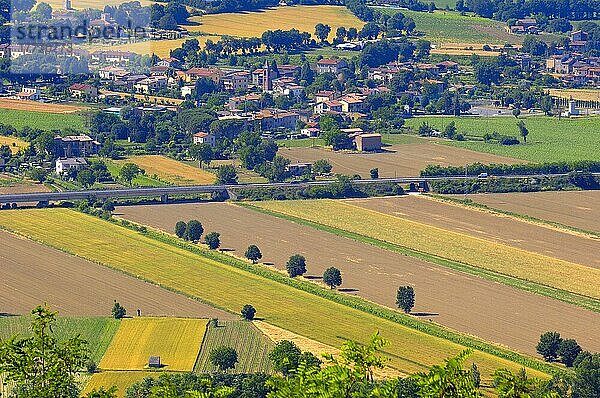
<point x="251" y="345"/>
<point x="43" y="121"/>
<point x="98" y="332"/>
<point x="549" y="140"/>
<point x="139" y="181"/>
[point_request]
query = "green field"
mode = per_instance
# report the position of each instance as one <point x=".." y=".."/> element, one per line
<point x="141" y="180"/>
<point x="98" y="332"/>
<point x="549" y="140"/>
<point x="176" y="341"/>
<point x="251" y="345"/>
<point x="43" y="121"/>
<point x="223" y="281"/>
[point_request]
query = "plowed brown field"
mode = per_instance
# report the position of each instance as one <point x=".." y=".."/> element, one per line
<point x="506" y="230"/>
<point x="33" y="274"/>
<point x="466" y="303"/>
<point x="397" y="160"/>
<point x="579" y="209"/>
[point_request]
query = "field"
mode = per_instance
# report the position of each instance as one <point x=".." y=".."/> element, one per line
<point x="10" y="184"/>
<point x="171" y="171"/>
<point x="15" y="144"/>
<point x="500" y="258"/>
<point x="230" y="287"/>
<point x="140" y="180"/>
<point x="98" y="332"/>
<point x="34" y="106"/>
<point x="161" y="48"/>
<point x="42" y="120"/>
<point x="251" y="345"/>
<point x="122" y="380"/>
<point x="451" y="27"/>
<point x="577" y="209"/>
<point x="253" y="24"/>
<point x="148" y="98"/>
<point x="375" y="274"/>
<point x="576" y="94"/>
<point x="549" y="140"/>
<point x="176" y="340"/>
<point x="95" y="4"/>
<point x="73" y="286"/>
<point x="397" y="160"/>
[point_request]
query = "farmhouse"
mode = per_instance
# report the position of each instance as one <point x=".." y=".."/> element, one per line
<point x="76" y="145"/>
<point x="83" y="91"/>
<point x="330" y="65"/>
<point x="65" y="165"/>
<point x="368" y="142"/>
<point x="205" y="138"/>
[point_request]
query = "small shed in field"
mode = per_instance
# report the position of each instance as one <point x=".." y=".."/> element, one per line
<point x="154" y="362"/>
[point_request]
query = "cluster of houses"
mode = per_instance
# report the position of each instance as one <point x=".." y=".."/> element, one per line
<point x="572" y="67"/>
<point x="524" y="26"/>
<point x="72" y="150"/>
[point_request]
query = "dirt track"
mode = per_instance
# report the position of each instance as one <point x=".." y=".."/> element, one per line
<point x="397" y="160"/>
<point x="33" y="274"/>
<point x="579" y="209"/>
<point x="489" y="310"/>
<point x="488" y="226"/>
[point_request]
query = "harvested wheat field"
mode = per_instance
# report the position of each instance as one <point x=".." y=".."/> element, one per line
<point x="253" y="24"/>
<point x="176" y="341"/>
<point x="577" y="209"/>
<point x="34" y="106"/>
<point x="34" y="274"/>
<point x="445" y="296"/>
<point x="454" y="246"/>
<point x="501" y="229"/>
<point x="171" y="170"/>
<point x="161" y="48"/>
<point x="576" y="94"/>
<point x="396" y="160"/>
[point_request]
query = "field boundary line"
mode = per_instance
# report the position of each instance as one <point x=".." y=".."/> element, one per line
<point x="585" y="302"/>
<point x="357" y="303"/>
<point x="557" y="226"/>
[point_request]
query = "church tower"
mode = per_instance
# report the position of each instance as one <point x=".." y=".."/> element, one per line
<point x="266" y="78"/>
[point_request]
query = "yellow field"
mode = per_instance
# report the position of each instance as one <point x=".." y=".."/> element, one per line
<point x="161" y="48"/>
<point x="253" y="24"/>
<point x="171" y="170"/>
<point x="15" y="144"/>
<point x="231" y="288"/>
<point x="122" y="380"/>
<point x="576" y="94"/>
<point x="176" y="340"/>
<point x="34" y="106"/>
<point x="455" y="246"/>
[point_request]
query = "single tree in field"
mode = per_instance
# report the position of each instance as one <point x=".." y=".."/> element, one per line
<point x="568" y="351"/>
<point x="374" y="173"/>
<point x="332" y="277"/>
<point x="224" y="358"/>
<point x="118" y="311"/>
<point x="212" y="240"/>
<point x="523" y="130"/>
<point x="296" y="265"/>
<point x="548" y="345"/>
<point x="193" y="230"/>
<point x="253" y="253"/>
<point x="248" y="312"/>
<point x="322" y="31"/>
<point x="129" y="171"/>
<point x="285" y="357"/>
<point x="180" y="229"/>
<point x="405" y="298"/>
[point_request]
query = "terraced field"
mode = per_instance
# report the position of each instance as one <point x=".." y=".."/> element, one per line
<point x="172" y="171"/>
<point x="208" y="277"/>
<point x="251" y="345"/>
<point x="176" y="340"/>
<point x="451" y="245"/>
<point x="254" y="23"/>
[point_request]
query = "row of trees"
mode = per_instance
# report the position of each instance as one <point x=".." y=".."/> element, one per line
<point x="193" y="230"/>
<point x="553" y="347"/>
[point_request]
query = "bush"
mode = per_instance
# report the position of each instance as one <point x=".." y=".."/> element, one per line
<point x="224" y="358"/>
<point x="248" y="312"/>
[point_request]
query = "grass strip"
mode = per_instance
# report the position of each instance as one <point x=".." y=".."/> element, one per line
<point x="528" y="286"/>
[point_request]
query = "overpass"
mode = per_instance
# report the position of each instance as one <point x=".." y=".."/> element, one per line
<point x="165" y="192"/>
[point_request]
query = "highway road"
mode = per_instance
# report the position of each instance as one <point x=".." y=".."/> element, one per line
<point x="165" y="192"/>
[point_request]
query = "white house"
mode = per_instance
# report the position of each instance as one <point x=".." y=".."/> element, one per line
<point x="205" y="138"/>
<point x="64" y="165"/>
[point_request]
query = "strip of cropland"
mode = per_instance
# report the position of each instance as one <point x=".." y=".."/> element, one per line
<point x="460" y="301"/>
<point x="171" y="170"/>
<point x="121" y="380"/>
<point x="550" y="139"/>
<point x="34" y="274"/>
<point x="576" y="209"/>
<point x="477" y="252"/>
<point x="300" y="307"/>
<point x="176" y="341"/>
